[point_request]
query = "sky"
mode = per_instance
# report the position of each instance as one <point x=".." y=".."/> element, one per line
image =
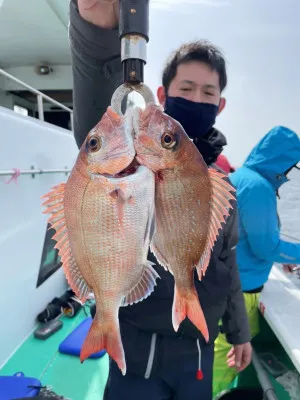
<point x="261" y="43"/>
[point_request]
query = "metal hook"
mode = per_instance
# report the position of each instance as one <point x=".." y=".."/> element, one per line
<point x="124" y="89"/>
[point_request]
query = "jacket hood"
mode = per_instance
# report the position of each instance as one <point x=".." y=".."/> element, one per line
<point x="211" y="146"/>
<point x="275" y="154"/>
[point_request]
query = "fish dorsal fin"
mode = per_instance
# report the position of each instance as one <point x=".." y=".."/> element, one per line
<point x="220" y="207"/>
<point x="144" y="286"/>
<point x="54" y="203"/>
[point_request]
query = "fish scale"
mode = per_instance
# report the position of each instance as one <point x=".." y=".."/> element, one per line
<point x="192" y="201"/>
<point x="118" y="249"/>
<point x="104" y="221"/>
<point x="170" y="196"/>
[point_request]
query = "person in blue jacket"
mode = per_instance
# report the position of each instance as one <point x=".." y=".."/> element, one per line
<point x="257" y="183"/>
<point x="259" y="245"/>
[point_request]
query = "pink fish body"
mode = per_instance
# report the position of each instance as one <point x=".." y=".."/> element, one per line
<point x="191" y="202"/>
<point x="104" y="221"/>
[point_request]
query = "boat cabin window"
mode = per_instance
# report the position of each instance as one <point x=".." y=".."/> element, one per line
<point x="50" y="261"/>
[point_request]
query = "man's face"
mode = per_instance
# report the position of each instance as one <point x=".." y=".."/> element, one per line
<point x="194" y="81"/>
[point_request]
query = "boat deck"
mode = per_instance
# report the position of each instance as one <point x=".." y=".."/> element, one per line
<point x="266" y="342"/>
<point x="65" y="374"/>
<point x="73" y="380"/>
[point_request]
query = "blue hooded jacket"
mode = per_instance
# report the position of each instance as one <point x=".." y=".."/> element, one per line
<point x="256" y="183"/>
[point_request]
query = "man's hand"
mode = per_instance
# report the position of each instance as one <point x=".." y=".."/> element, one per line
<point x="103" y="13"/>
<point x="239" y="356"/>
<point x="288" y="268"/>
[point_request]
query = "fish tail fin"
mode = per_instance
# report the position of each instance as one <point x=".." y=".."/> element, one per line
<point x="186" y="304"/>
<point x="104" y="335"/>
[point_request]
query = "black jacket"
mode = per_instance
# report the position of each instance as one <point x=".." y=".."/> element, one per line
<point x="146" y="327"/>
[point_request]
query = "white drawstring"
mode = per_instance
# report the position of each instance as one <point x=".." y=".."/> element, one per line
<point x="199" y="374"/>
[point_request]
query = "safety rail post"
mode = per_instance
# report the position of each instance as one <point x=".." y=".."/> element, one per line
<point x="40" y="107"/>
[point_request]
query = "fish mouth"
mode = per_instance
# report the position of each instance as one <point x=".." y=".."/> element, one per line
<point x="130" y="170"/>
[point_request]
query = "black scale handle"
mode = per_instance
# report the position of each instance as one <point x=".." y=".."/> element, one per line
<point x="134" y="35"/>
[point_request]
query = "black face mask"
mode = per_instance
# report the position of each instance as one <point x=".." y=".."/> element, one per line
<point x="197" y="119"/>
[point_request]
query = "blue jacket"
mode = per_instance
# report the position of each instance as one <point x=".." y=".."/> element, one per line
<point x="257" y="182"/>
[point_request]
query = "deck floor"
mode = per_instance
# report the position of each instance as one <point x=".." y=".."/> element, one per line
<point x="65" y="374"/>
<point x="73" y="380"/>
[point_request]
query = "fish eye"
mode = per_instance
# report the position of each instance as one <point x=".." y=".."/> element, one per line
<point x="94" y="143"/>
<point x="168" y="140"/>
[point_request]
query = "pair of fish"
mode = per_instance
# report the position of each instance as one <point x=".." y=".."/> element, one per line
<point x="138" y="181"/>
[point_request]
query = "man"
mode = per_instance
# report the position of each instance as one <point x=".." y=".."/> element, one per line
<point x="162" y="364"/>
<point x="259" y="246"/>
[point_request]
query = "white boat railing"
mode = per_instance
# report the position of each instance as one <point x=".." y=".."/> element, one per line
<point x="40" y="96"/>
<point x="34" y="171"/>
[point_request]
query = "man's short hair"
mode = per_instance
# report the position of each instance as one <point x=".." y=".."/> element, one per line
<point x="202" y="51"/>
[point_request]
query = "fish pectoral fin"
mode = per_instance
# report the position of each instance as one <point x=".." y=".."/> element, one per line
<point x="220" y="207"/>
<point x="144" y="287"/>
<point x="55" y="206"/>
<point x="121" y="198"/>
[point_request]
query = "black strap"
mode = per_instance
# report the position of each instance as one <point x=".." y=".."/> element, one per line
<point x="253" y="291"/>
